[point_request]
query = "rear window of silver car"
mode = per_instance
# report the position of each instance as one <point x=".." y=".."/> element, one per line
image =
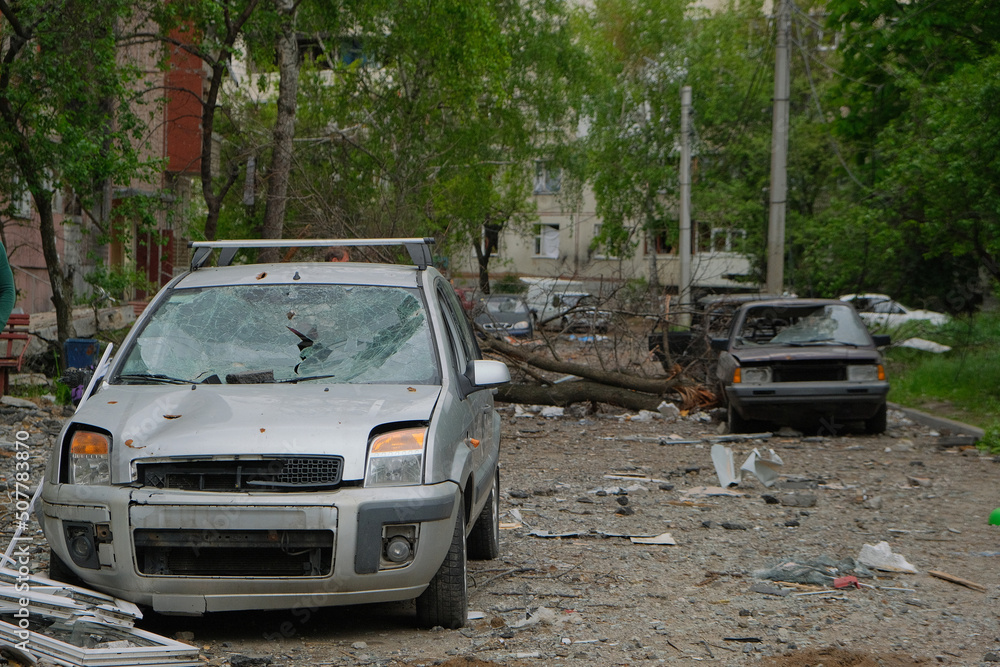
<point x="251" y="334"/>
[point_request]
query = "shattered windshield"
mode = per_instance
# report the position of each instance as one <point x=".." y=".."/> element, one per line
<point x="249" y="334"/>
<point x="802" y="326"/>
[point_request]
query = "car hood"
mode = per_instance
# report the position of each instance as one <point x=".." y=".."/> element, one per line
<point x="845" y="353"/>
<point x="223" y="421"/>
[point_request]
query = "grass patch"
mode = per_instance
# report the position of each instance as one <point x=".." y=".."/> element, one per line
<point x="962" y="384"/>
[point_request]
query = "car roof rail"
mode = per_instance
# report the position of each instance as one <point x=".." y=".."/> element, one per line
<point x="419" y="248"/>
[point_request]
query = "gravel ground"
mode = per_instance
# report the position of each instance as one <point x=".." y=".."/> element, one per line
<point x="571" y="587"/>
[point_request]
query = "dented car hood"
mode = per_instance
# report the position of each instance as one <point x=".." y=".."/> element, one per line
<point x="249" y="421"/>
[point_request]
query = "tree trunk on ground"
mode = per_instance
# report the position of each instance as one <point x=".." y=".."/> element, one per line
<point x="582" y="391"/>
<point x="654" y="386"/>
<point x="284" y="130"/>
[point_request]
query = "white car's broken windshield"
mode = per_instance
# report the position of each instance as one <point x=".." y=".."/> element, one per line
<point x="248" y="334"/>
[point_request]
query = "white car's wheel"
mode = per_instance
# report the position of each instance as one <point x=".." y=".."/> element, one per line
<point x="445" y="603"/>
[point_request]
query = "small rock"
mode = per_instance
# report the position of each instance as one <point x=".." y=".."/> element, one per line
<point x="730" y="525"/>
<point x="238" y="660"/>
<point x="625" y="511"/>
<point x="12" y="402"/>
<point x="622" y="500"/>
<point x="872" y="503"/>
<point x="799" y="500"/>
<point x="516" y="493"/>
<point x="359" y="646"/>
<point x="991" y="656"/>
<point x="769" y="499"/>
<point x="666" y="486"/>
<point x="792" y="523"/>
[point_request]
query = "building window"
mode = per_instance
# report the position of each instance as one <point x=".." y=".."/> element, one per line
<point x="21" y="204"/>
<point x="548" y="179"/>
<point x="724" y="239"/>
<point x="600" y="250"/>
<point x="547" y="241"/>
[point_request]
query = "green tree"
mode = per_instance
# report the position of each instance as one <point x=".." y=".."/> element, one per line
<point x="68" y="116"/>
<point x="918" y="106"/>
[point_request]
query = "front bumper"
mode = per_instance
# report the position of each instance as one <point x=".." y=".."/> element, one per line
<point x="798" y="401"/>
<point x="192" y="552"/>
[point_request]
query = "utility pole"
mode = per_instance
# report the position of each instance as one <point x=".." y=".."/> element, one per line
<point x="685" y="221"/>
<point x="779" y="156"/>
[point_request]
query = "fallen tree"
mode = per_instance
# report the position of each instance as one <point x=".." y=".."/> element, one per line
<point x="594" y="384"/>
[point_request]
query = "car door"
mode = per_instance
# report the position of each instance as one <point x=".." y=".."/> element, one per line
<point x="483" y="426"/>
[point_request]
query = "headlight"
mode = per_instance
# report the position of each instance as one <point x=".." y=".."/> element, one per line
<point x="865" y="373"/>
<point x="88" y="458"/>
<point x="396" y="458"/>
<point x="523" y="324"/>
<point x="758" y="375"/>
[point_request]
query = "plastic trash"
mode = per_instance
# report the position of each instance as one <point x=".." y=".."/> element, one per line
<point x="881" y="557"/>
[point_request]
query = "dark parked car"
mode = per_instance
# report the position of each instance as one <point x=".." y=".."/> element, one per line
<point x="505" y="314"/>
<point x="799" y="362"/>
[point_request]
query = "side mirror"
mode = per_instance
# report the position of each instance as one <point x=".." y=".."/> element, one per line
<point x="720" y="344"/>
<point x="881" y="340"/>
<point x="486" y="373"/>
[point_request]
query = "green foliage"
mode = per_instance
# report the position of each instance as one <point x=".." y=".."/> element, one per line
<point x="115" y="283"/>
<point x="509" y="284"/>
<point x="967" y="377"/>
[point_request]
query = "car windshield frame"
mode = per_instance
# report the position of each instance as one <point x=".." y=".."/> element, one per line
<point x="495" y="305"/>
<point x="800" y="325"/>
<point x="284" y="333"/>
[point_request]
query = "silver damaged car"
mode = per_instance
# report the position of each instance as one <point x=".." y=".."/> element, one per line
<point x="273" y="436"/>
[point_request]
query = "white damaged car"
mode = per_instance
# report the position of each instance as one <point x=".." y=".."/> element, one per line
<point x="282" y="435"/>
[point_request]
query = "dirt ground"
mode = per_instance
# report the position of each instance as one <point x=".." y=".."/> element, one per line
<point x="571" y="587"/>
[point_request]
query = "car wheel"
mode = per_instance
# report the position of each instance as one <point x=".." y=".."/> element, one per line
<point x="736" y="422"/>
<point x="59" y="571"/>
<point x="445" y="603"/>
<point x="878" y="423"/>
<point x="484" y="540"/>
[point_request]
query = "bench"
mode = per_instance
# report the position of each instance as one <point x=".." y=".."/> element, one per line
<point x="14" y="340"/>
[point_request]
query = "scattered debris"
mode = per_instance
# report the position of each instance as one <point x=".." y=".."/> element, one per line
<point x="822" y="571"/>
<point x="662" y="538"/>
<point x="924" y="345"/>
<point x="764" y="468"/>
<point x="725" y="467"/>
<point x="957" y="580"/>
<point x="706" y="491"/>
<point x="881" y="557"/>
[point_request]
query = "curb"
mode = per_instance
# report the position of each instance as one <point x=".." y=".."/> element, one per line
<point x="939" y="423"/>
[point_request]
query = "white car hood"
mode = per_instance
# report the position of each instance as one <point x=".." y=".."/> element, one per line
<point x="227" y="421"/>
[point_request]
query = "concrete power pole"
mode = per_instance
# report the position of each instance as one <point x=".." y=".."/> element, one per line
<point x="779" y="156"/>
<point x="685" y="221"/>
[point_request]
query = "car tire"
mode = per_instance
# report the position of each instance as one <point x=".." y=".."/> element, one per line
<point x="735" y="421"/>
<point x="445" y="603"/>
<point x="484" y="540"/>
<point x="878" y="423"/>
<point x="59" y="571"/>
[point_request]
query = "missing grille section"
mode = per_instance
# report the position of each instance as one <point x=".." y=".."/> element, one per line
<point x="810" y="372"/>
<point x="278" y="474"/>
<point x="234" y="553"/>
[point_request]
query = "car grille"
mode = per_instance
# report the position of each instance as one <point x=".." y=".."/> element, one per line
<point x="234" y="553"/>
<point x="276" y="474"/>
<point x="809" y="372"/>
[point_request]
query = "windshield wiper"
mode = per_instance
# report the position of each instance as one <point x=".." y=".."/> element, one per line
<point x="307" y="377"/>
<point x="155" y="378"/>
